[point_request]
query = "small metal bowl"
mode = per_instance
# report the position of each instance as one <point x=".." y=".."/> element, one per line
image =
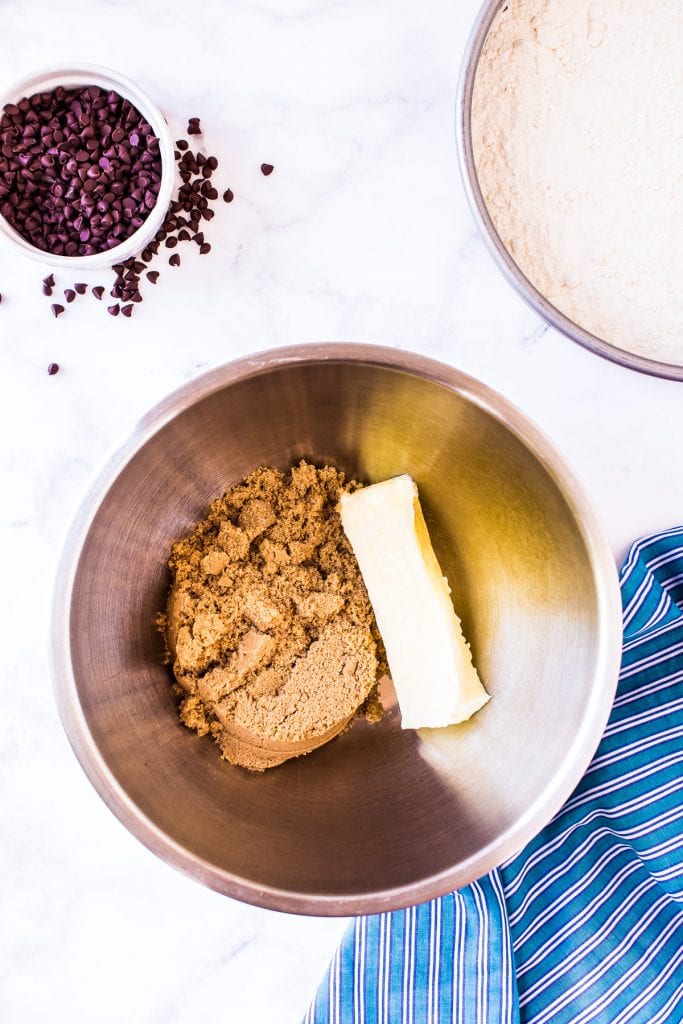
<point x="92" y="74"/>
<point x="380" y="817"/>
<point x="506" y="263"/>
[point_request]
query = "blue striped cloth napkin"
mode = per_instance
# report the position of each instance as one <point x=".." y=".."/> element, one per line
<point x="586" y="923"/>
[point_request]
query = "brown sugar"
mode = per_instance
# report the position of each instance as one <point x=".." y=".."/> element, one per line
<point x="268" y="625"/>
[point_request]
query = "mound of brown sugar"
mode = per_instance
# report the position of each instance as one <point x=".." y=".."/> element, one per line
<point x="268" y="624"/>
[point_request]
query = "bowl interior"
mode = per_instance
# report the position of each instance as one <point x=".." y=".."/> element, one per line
<point x="379" y="816"/>
<point x="91" y="74"/>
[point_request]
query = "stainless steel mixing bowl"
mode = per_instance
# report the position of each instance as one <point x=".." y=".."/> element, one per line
<point x="378" y="818"/>
<point x="521" y="284"/>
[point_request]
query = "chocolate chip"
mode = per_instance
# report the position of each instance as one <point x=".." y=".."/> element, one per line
<point x="80" y="288"/>
<point x="203" y="249"/>
<point x="127" y="310"/>
<point x="171" y="242"/>
<point x="69" y="294"/>
<point x="184" y="235"/>
<point x="47" y="290"/>
<point x="212" y="162"/>
<point x="267" y="169"/>
<point x="49" y="281"/>
<point x="98" y="291"/>
<point x="198" y="238"/>
<point x="57" y="310"/>
<point x="152" y="276"/>
<point x="53" y="368"/>
<point x="174" y="260"/>
<point x="114" y="310"/>
<point x="182" y="143"/>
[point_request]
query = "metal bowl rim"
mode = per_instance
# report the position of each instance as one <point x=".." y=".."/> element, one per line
<point x="506" y="264"/>
<point x="537" y="816"/>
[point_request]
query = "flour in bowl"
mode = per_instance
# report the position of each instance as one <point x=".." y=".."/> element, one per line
<point x="578" y="144"/>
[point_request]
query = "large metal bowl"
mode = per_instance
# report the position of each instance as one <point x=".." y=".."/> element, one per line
<point x="378" y="818"/>
<point x="505" y="262"/>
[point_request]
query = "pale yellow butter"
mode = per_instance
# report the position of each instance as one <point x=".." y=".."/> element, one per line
<point x="429" y="659"/>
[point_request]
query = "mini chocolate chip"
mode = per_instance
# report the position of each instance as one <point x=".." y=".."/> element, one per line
<point x="152" y="276"/>
<point x="174" y="260"/>
<point x="47" y="290"/>
<point x="49" y="281"/>
<point x="81" y="288"/>
<point x="114" y="310"/>
<point x="203" y="249"/>
<point x="127" y="310"/>
<point x="267" y="169"/>
<point x="208" y="214"/>
<point x="184" y="235"/>
<point x="98" y="291"/>
<point x="57" y="310"/>
<point x="69" y="294"/>
<point x="53" y="368"/>
<point x="171" y="242"/>
<point x="198" y="238"/>
<point x="212" y="162"/>
<point x="182" y="143"/>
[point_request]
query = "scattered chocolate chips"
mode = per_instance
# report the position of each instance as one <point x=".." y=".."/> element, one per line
<point x="114" y="310"/>
<point x="80" y="170"/>
<point x="69" y="294"/>
<point x="52" y="369"/>
<point x="152" y="276"/>
<point x="98" y="291"/>
<point x="193" y="127"/>
<point x="57" y="310"/>
<point x="228" y="195"/>
<point x="174" y="260"/>
<point x="182" y="143"/>
<point x="127" y="310"/>
<point x="204" y="248"/>
<point x="80" y="288"/>
<point x="267" y="169"/>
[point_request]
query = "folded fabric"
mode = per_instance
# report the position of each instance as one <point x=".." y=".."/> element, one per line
<point x="586" y="923"/>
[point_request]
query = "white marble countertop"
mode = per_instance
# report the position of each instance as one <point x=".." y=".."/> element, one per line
<point x="362" y="233"/>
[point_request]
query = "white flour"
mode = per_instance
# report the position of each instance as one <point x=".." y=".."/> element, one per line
<point x="578" y="142"/>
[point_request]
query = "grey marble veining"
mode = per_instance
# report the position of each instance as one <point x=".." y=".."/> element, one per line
<point x="361" y="233"/>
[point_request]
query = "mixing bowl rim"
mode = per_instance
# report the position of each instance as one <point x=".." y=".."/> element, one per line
<point x="495" y="245"/>
<point x="551" y="797"/>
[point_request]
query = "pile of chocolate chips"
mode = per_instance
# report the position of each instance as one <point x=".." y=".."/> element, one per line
<point x="80" y="169"/>
<point x="188" y="212"/>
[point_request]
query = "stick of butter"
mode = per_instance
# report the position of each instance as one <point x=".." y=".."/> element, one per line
<point x="429" y="659"/>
